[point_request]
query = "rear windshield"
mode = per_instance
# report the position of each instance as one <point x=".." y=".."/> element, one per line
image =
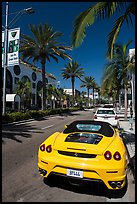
<point x="88" y="138"/>
<point x="90" y="127"/>
<point x="111" y="112"/>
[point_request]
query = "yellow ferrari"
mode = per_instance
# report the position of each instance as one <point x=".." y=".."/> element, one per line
<point x="86" y="150"/>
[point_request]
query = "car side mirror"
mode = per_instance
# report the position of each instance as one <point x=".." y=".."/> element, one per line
<point x="120" y="129"/>
<point x="94" y="112"/>
<point x="66" y="126"/>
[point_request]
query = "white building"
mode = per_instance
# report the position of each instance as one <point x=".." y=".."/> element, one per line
<point x="25" y="71"/>
<point x="132" y="54"/>
<point x="69" y="92"/>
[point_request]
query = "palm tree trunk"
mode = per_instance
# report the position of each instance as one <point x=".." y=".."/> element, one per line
<point x="119" y="101"/>
<point x="93" y="96"/>
<point x="43" y="86"/>
<point x="88" y="97"/>
<point x="73" y="95"/>
<point x="125" y="102"/>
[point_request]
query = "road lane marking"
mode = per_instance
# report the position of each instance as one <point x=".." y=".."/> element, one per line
<point x="74" y="117"/>
<point x="47" y="127"/>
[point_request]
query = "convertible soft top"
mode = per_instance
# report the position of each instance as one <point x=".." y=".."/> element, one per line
<point x="101" y="127"/>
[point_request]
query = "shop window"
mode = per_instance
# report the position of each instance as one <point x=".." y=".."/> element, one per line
<point x="34" y="76"/>
<point x="17" y="69"/>
<point x="33" y="85"/>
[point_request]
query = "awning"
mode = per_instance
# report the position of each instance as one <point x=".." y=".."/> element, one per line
<point x="12" y="98"/>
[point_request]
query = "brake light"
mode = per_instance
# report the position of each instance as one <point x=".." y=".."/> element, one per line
<point x="117" y="156"/>
<point x="108" y="155"/>
<point x="95" y="116"/>
<point x="42" y="147"/>
<point x="49" y="148"/>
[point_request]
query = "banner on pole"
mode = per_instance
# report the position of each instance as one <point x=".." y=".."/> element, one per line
<point x="13" y="47"/>
<point x="2" y="48"/>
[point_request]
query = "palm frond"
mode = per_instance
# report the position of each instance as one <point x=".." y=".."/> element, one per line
<point x="113" y="35"/>
<point x="104" y="10"/>
<point x="99" y="11"/>
<point x="85" y="19"/>
<point x="51" y="76"/>
<point x="115" y="31"/>
<point x="55" y="58"/>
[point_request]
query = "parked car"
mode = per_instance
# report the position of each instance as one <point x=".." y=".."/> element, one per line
<point x="108" y="115"/>
<point x="86" y="150"/>
<point x="109" y="105"/>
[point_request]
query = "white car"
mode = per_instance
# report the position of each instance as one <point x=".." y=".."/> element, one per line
<point x="108" y="115"/>
<point x="109" y="105"/>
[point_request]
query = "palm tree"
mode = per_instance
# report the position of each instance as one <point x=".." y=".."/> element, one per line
<point x="42" y="47"/>
<point x="111" y="79"/>
<point x="102" y="10"/>
<point x="131" y="65"/>
<point x="61" y="96"/>
<point x="24" y="90"/>
<point x="131" y="68"/>
<point x="123" y="61"/>
<point x="94" y="86"/>
<point x="72" y="70"/>
<point x="117" y="72"/>
<point x="83" y="97"/>
<point x="98" y="89"/>
<point x="88" y="83"/>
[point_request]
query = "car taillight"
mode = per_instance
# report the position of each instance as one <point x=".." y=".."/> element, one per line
<point x="108" y="155"/>
<point x="49" y="148"/>
<point x="117" y="156"/>
<point x="116" y="117"/>
<point x="95" y="116"/>
<point x="42" y="147"/>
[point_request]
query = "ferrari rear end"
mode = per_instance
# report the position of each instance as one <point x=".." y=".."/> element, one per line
<point x="84" y="156"/>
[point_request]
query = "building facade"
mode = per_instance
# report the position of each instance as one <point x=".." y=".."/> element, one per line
<point x="23" y="72"/>
<point x="69" y="92"/>
<point x="132" y="56"/>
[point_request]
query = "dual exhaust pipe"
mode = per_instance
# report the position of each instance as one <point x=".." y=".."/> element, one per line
<point x="115" y="184"/>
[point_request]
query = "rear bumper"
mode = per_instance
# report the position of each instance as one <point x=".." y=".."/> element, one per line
<point x="76" y="181"/>
<point x="114" y="123"/>
<point x="96" y="173"/>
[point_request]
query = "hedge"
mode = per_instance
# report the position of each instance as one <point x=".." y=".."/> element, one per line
<point x="33" y="114"/>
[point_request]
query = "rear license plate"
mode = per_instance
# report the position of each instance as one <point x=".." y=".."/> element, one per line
<point x="74" y="173"/>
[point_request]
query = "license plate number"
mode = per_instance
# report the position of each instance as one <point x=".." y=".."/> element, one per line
<point x="74" y="173"/>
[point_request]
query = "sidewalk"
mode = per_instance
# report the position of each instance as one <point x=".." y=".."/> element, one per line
<point x="128" y="137"/>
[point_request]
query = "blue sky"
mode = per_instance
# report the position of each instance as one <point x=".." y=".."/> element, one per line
<point x="91" y="55"/>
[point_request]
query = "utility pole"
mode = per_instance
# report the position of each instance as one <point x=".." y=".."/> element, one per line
<point x="5" y="57"/>
<point x="5" y="60"/>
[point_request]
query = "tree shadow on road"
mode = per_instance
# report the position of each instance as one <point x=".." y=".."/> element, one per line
<point x="15" y="132"/>
<point x="14" y="136"/>
<point x="128" y="137"/>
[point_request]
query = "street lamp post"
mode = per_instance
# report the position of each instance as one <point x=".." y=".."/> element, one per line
<point x="5" y="64"/>
<point x="5" y="60"/>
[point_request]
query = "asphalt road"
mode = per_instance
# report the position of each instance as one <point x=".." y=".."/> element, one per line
<point x="21" y="181"/>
